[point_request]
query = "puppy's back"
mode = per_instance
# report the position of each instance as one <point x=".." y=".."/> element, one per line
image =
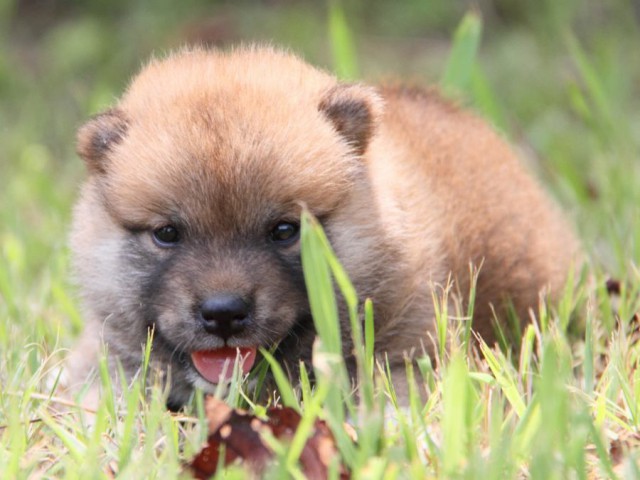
<point x="461" y="177"/>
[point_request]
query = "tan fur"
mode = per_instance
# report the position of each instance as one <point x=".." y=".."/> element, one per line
<point x="409" y="188"/>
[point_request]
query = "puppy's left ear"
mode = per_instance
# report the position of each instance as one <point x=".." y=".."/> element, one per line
<point x="354" y="110"/>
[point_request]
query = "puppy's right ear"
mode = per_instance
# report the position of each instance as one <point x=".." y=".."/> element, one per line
<point x="97" y="137"/>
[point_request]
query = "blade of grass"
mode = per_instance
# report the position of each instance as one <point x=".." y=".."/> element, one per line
<point x="72" y="442"/>
<point x="351" y="299"/>
<point x="342" y="44"/>
<point x="588" y="369"/>
<point x="282" y="382"/>
<point x="457" y="403"/>
<point x="595" y="88"/>
<point x="526" y="354"/>
<point x="460" y="64"/>
<point x="319" y="262"/>
<point x="319" y="286"/>
<point x="441" y="307"/>
<point x="603" y="454"/>
<point x="366" y="375"/>
<point x="311" y="411"/>
<point x="502" y="373"/>
<point x="485" y="99"/>
<point x="473" y="279"/>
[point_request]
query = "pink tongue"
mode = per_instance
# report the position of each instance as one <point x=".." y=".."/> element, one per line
<point x="217" y="365"/>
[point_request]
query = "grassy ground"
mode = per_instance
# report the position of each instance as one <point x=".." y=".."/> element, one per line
<point x="560" y="79"/>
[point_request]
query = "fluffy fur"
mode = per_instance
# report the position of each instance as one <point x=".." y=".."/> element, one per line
<point x="409" y="189"/>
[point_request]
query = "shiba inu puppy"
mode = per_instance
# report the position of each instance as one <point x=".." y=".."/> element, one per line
<point x="188" y="223"/>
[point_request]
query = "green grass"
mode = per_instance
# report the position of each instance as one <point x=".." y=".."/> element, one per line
<point x="561" y="85"/>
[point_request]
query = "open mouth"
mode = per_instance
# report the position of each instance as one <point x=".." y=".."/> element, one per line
<point x="216" y="366"/>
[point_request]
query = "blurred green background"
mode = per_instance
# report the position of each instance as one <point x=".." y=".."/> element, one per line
<point x="560" y="79"/>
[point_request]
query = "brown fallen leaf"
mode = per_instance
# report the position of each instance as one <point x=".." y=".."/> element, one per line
<point x="241" y="435"/>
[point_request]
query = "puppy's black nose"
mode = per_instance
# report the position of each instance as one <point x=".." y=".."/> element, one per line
<point x="224" y="314"/>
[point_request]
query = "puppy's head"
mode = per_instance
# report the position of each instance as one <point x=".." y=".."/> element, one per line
<point x="189" y="220"/>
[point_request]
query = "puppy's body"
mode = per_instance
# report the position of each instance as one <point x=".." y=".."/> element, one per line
<point x="223" y="149"/>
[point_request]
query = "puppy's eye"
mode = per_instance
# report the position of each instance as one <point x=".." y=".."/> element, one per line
<point x="166" y="236"/>
<point x="285" y="233"/>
